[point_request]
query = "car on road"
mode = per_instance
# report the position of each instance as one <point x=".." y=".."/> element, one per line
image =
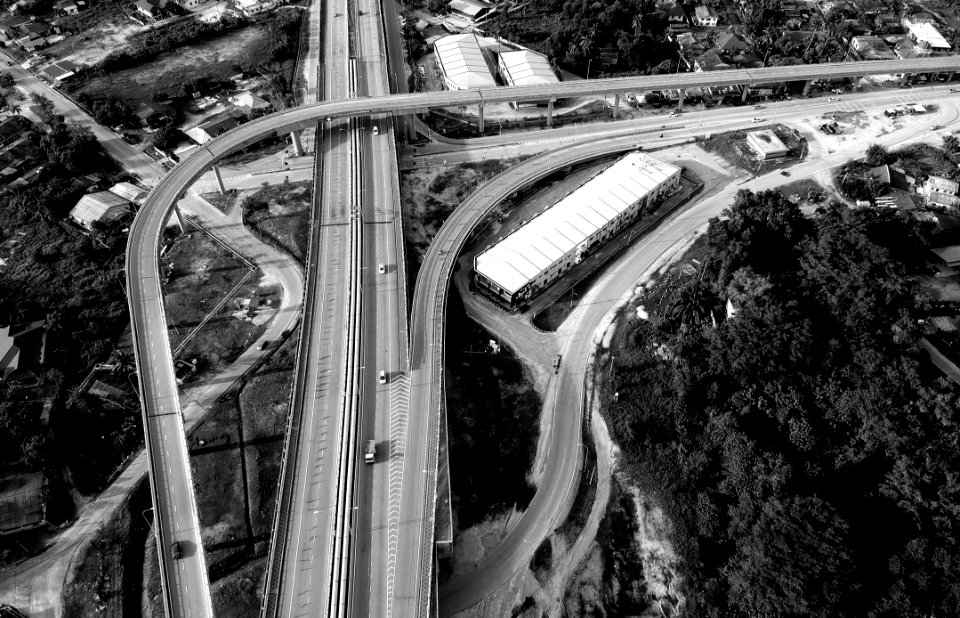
<point x="673" y="114"/>
<point x="382" y="378"/>
<point x="834" y="99"/>
<point x="757" y="107"/>
<point x="176" y="548"/>
<point x="784" y="173"/>
<point x="757" y="119"/>
<point x="376" y="130"/>
<point x="264" y="345"/>
<point x="370" y="452"/>
<point x="381" y="268"/>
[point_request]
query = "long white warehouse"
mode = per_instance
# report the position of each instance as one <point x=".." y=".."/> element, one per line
<point x="540" y="251"/>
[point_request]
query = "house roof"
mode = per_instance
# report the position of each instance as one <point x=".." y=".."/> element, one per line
<point x="526" y="68"/>
<point x="129" y="192"/>
<point x="467" y="7"/>
<point x="61" y="69"/>
<point x="928" y="33"/>
<point x="21" y="500"/>
<point x="250" y="100"/>
<point x="711" y="61"/>
<point x="872" y="47"/>
<point x="100" y="206"/>
<point x="706" y="12"/>
<point x="523" y="255"/>
<point x="730" y="41"/>
<point x="950" y="255"/>
<point x="462" y="61"/>
<point x="21" y="347"/>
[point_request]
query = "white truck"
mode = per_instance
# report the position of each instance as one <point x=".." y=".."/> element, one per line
<point x="370" y="452"/>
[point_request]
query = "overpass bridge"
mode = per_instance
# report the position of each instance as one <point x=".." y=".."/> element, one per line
<point x="185" y="587"/>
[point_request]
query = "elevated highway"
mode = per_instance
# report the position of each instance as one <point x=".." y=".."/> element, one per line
<point x="185" y="589"/>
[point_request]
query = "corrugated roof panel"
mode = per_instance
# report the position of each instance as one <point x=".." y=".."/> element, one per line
<point x="462" y="61"/>
<point x="525" y="68"/>
<point x="531" y="249"/>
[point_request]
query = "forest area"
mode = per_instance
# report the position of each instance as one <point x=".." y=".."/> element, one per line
<point x="776" y="404"/>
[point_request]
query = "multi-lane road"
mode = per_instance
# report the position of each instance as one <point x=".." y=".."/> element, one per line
<point x="411" y="585"/>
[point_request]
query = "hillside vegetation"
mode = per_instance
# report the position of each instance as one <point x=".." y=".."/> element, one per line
<point x="803" y="447"/>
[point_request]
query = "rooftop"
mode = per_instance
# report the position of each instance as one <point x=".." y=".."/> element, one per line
<point x="462" y="61"/>
<point x="526" y="68"/>
<point x="531" y="249"/>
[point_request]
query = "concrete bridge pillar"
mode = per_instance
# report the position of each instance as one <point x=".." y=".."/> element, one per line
<point x="216" y="173"/>
<point x="950" y="76"/>
<point x="683" y="95"/>
<point x="180" y="220"/>
<point x="297" y="144"/>
<point x="746" y="94"/>
<point x="480" y="114"/>
<point x="806" y="87"/>
<point x="550" y="113"/>
<point x="906" y="78"/>
<point x="616" y="105"/>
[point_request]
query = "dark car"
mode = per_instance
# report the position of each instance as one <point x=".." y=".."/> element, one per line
<point x="176" y="548"/>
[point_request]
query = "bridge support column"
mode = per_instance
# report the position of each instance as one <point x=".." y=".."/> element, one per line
<point x="216" y="173"/>
<point x="950" y="76"/>
<point x="297" y="144"/>
<point x="806" y="87"/>
<point x="683" y="95"/>
<point x="616" y="105"/>
<point x="746" y="94"/>
<point x="906" y="78"/>
<point x="180" y="221"/>
<point x="480" y="115"/>
<point x="550" y="113"/>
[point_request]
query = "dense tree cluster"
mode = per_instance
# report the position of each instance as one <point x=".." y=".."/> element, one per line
<point x="625" y="35"/>
<point x="804" y="449"/>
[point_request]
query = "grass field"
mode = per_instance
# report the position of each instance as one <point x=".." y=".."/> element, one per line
<point x="203" y="274"/>
<point x="281" y="215"/>
<point x="236" y="470"/>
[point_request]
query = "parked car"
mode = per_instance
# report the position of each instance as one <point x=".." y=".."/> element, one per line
<point x="834" y="99"/>
<point x="176" y="548"/>
<point x="757" y="119"/>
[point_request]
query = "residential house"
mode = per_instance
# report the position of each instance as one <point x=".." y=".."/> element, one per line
<point x="471" y="10"/>
<point x="130" y="192"/>
<point x="61" y="70"/>
<point x="675" y="13"/>
<point x="710" y="61"/>
<point x="152" y="9"/>
<point x="731" y="43"/>
<point x="905" y="47"/>
<point x="13" y="128"/>
<point x="210" y="129"/>
<point x="871" y="48"/>
<point x="100" y="207"/>
<point x="23" y="351"/>
<point x="949" y="255"/>
<point x="706" y="17"/>
<point x="22" y="502"/>
<point x="255" y="7"/>
<point x="924" y="33"/>
<point x="69" y="7"/>
<point x="153" y="114"/>
<point x="919" y="18"/>
<point x="248" y="101"/>
<point x="191" y="4"/>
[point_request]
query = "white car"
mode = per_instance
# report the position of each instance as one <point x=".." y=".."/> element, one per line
<point x="381" y="268"/>
<point x="834" y="99"/>
<point x="382" y="379"/>
<point x="376" y="130"/>
<point x="758" y="119"/>
<point x="674" y="114"/>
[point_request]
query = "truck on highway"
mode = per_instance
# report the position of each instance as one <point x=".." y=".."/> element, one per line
<point x="370" y="452"/>
<point x="556" y="364"/>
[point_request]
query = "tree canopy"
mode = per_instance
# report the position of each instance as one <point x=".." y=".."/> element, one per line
<point x="802" y="445"/>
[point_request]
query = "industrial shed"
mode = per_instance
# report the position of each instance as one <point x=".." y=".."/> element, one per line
<point x="101" y="206"/>
<point x="539" y="252"/>
<point x="461" y="60"/>
<point x="525" y="68"/>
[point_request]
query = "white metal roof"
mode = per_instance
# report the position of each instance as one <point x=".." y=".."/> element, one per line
<point x="462" y="61"/>
<point x="129" y="192"/>
<point x="930" y="34"/>
<point x="102" y="205"/>
<point x="533" y="248"/>
<point x="526" y="68"/>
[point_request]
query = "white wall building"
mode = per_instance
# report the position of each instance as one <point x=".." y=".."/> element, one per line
<point x="928" y="33"/>
<point x="543" y="249"/>
<point x="102" y="206"/>
<point x="525" y="68"/>
<point x="461" y="60"/>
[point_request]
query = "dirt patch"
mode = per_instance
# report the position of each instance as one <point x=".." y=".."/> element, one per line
<point x="224" y="202"/>
<point x="732" y="147"/>
<point x="214" y="304"/>
<point x="108" y="573"/>
<point x="213" y="58"/>
<point x="89" y="48"/>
